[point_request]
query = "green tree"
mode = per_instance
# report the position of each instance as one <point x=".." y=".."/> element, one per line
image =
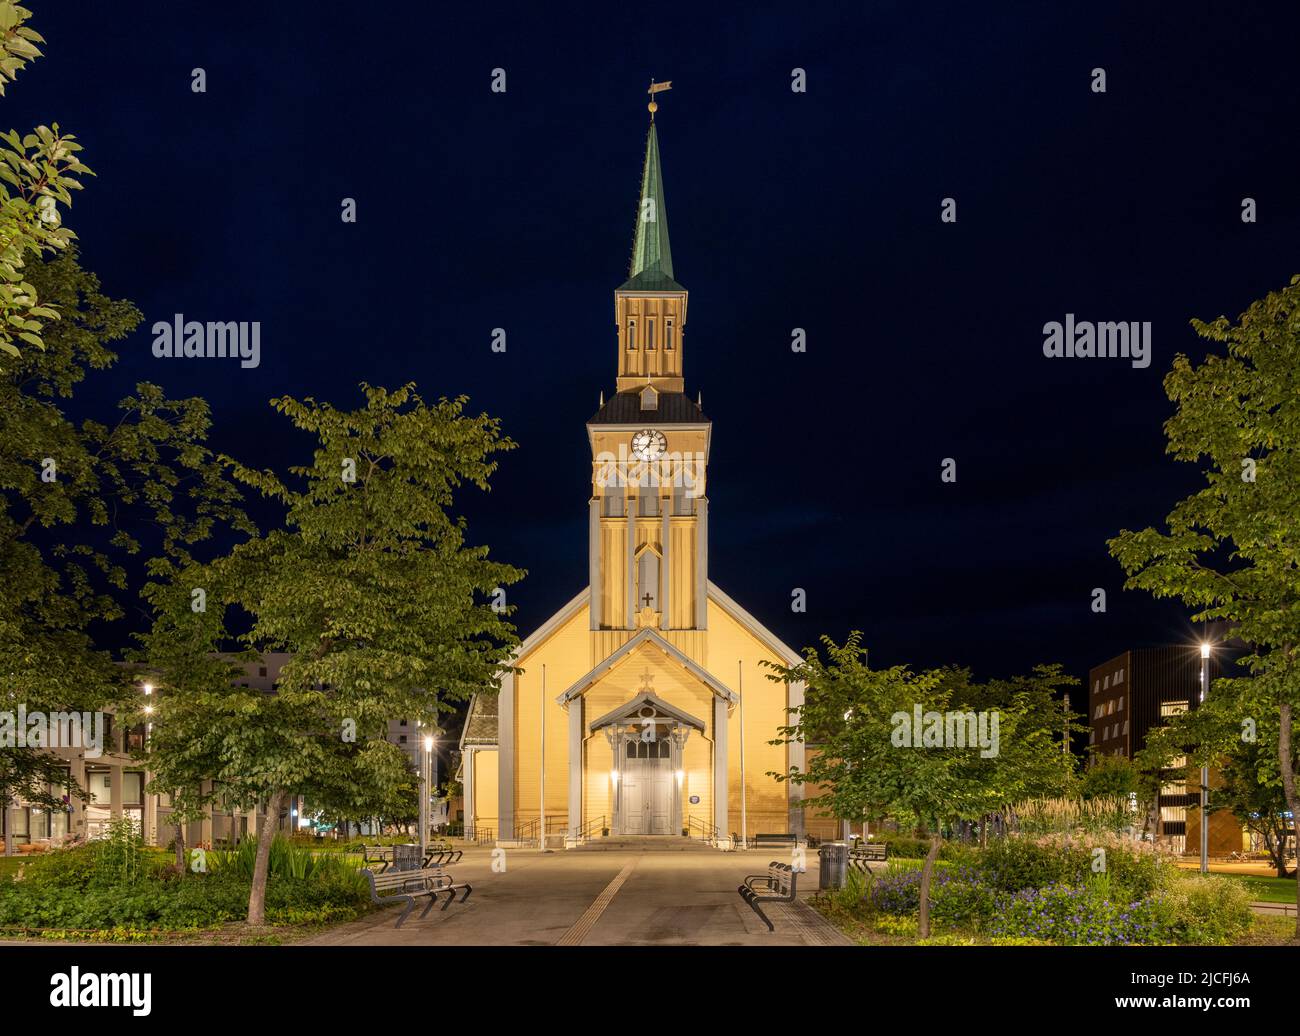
<point x="373" y="590"/>
<point x="871" y="762"/>
<point x="38" y="172"/>
<point x="1033" y="758"/>
<point x="75" y="499"/>
<point x="1108" y="777"/>
<point x="1251" y="791"/>
<point x="1232" y="549"/>
<point x="194" y="683"/>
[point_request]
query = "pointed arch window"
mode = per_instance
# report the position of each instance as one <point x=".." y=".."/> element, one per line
<point x="649" y="335"/>
<point x="631" y="335"/>
<point x="668" y="334"/>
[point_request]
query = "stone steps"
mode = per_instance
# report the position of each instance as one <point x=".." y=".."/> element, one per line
<point x="645" y="844"/>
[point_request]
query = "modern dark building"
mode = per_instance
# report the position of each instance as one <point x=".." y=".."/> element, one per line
<point x="1137" y="691"/>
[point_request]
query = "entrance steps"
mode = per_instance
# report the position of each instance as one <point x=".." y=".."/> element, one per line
<point x="644" y="844"/>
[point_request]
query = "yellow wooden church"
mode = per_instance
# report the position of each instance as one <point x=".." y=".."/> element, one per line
<point x="641" y="707"/>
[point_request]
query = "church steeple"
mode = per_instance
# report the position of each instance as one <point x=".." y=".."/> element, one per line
<point x="652" y="256"/>
<point x="650" y="306"/>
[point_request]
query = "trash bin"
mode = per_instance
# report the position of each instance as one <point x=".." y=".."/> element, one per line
<point x="834" y="865"/>
<point x="406" y="857"/>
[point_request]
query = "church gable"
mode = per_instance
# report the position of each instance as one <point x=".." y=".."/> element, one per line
<point x="650" y="644"/>
<point x="646" y="670"/>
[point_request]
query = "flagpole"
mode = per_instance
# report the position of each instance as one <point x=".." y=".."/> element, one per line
<point x="541" y="793"/>
<point x="740" y="687"/>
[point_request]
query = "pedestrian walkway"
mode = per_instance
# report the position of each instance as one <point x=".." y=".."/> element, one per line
<point x="612" y="898"/>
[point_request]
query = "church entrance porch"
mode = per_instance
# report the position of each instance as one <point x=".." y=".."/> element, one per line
<point x="646" y="739"/>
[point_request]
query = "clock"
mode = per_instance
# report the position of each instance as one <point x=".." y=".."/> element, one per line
<point x="648" y="444"/>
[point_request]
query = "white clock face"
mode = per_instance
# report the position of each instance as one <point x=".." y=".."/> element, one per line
<point x="648" y="444"/>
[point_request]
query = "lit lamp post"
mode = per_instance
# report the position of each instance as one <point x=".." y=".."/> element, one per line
<point x="148" y="815"/>
<point x="1205" y="769"/>
<point x="426" y="762"/>
<point x="847" y="824"/>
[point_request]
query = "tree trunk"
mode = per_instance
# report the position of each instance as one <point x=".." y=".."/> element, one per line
<point x="1284" y="757"/>
<point x="265" y="835"/>
<point x="180" y="846"/>
<point x="927" y="872"/>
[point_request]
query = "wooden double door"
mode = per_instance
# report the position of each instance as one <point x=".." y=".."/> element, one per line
<point x="647" y="788"/>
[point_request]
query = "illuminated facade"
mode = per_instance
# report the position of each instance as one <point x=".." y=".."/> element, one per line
<point x="641" y="707"/>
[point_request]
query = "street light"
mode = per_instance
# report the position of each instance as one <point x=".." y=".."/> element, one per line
<point x="425" y="791"/>
<point x="1205" y="769"/>
<point x="149" y="815"/>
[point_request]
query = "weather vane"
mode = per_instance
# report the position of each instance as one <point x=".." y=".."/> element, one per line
<point x="654" y="89"/>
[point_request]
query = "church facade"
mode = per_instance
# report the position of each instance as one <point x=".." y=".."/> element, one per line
<point x="641" y="707"/>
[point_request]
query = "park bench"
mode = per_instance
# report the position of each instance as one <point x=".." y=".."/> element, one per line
<point x="776" y="886"/>
<point x="862" y="855"/>
<point x="386" y="855"/>
<point x="761" y="840"/>
<point x="389" y="886"/>
<point x="442" y="854"/>
<point x="375" y="854"/>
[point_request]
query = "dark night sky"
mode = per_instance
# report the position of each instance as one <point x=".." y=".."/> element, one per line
<point x="817" y="210"/>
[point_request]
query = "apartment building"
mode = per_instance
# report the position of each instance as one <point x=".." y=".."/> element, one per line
<point x="1138" y="691"/>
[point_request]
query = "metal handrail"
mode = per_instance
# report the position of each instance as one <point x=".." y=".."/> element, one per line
<point x="708" y="832"/>
<point x="591" y="825"/>
<point x="527" y="831"/>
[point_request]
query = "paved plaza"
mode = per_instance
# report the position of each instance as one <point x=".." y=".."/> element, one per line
<point x="601" y="898"/>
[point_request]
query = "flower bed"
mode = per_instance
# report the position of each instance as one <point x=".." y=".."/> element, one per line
<point x="1090" y="891"/>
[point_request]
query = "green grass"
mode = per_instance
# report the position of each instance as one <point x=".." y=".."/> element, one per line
<point x="1268" y="890"/>
<point x="9" y="867"/>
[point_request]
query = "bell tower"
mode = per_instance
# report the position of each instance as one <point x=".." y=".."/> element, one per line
<point x="648" y="513"/>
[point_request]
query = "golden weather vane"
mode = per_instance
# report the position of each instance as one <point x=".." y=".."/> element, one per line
<point x="654" y="89"/>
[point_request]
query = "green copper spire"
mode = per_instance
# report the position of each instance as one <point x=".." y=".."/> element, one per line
<point x="652" y="258"/>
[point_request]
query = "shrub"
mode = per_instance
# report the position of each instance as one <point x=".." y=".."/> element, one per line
<point x="106" y="885"/>
<point x="1078" y="916"/>
<point x="75" y="867"/>
<point x="957" y="895"/>
<point x="891" y="925"/>
<point x="290" y="860"/>
<point x="1013" y="864"/>
<point x="847" y="898"/>
<point x="1019" y="862"/>
<point x="1203" y="909"/>
<point x="118" y="854"/>
<point x="896" y="890"/>
<point x="909" y="847"/>
<point x="961" y="899"/>
<point x="199" y="901"/>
